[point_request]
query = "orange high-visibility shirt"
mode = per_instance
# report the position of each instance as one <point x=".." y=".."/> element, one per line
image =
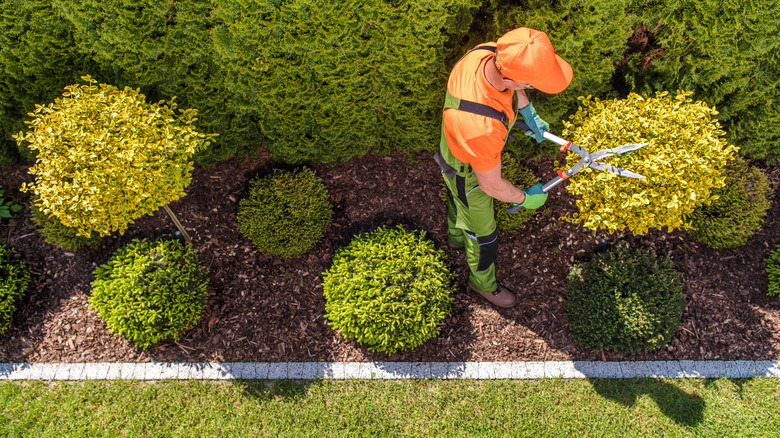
<point x="472" y="138"/>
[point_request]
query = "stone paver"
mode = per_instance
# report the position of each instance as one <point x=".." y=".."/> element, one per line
<point x="390" y="370"/>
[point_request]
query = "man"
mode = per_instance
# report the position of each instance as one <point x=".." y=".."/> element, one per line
<point x="477" y="108"/>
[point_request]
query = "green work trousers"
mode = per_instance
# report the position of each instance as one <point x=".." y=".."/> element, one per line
<point x="470" y="219"/>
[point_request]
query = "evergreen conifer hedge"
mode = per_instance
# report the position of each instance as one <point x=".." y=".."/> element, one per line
<point x="334" y="79"/>
<point x="38" y="58"/>
<point x="727" y="53"/>
<point x="589" y="34"/>
<point x="166" y="49"/>
<point x="330" y="80"/>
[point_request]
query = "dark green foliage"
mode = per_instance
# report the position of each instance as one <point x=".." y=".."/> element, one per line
<point x="14" y="279"/>
<point x="285" y="213"/>
<point x="334" y="79"/>
<point x="726" y="53"/>
<point x="150" y="291"/>
<point x="390" y="289"/>
<point x="521" y="177"/>
<point x="624" y="300"/>
<point x="165" y="48"/>
<point x="738" y="212"/>
<point x="589" y="34"/>
<point x="55" y="232"/>
<point x="8" y="151"/>
<point x="7" y="207"/>
<point x="38" y="57"/>
<point x="773" y="271"/>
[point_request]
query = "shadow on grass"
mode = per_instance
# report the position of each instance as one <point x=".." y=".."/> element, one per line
<point x="270" y="390"/>
<point x="682" y="407"/>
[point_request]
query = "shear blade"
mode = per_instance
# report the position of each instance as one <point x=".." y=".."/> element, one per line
<point x="617" y="170"/>
<point x="628" y="147"/>
<point x="617" y="150"/>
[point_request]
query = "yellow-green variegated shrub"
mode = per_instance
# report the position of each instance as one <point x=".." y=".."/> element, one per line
<point x="683" y="163"/>
<point x="107" y="157"/>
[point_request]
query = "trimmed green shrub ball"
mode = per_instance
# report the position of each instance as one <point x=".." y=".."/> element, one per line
<point x="624" y="300"/>
<point x="522" y="178"/>
<point x="390" y="289"/>
<point x="57" y="233"/>
<point x="285" y="213"/>
<point x="738" y="212"/>
<point x="14" y="279"/>
<point x="150" y="291"/>
<point x="773" y="270"/>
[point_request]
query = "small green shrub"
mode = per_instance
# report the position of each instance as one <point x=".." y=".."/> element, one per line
<point x="739" y="210"/>
<point x="522" y="177"/>
<point x="150" y="290"/>
<point x="57" y="233"/>
<point x="14" y="279"/>
<point x="7" y="207"/>
<point x="285" y="213"/>
<point x="624" y="300"/>
<point x="389" y="288"/>
<point x="773" y="270"/>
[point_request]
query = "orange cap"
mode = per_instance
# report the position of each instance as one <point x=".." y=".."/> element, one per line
<point x="526" y="55"/>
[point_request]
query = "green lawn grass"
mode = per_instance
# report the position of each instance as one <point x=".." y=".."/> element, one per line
<point x="415" y="408"/>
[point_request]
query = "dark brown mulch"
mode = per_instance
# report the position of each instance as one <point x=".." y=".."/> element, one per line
<point x="268" y="309"/>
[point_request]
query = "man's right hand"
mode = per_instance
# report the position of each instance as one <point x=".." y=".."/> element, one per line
<point x="535" y="197"/>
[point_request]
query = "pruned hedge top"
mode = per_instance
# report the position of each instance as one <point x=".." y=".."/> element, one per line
<point x="389" y="288"/>
<point x="285" y="213"/>
<point x="150" y="290"/>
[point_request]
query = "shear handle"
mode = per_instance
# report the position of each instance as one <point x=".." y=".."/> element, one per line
<point x="547" y="135"/>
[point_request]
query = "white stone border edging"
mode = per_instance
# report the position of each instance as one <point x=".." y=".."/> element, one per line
<point x="389" y="370"/>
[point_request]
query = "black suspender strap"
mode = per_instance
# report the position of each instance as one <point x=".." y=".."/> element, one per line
<point x="482" y="110"/>
<point x="491" y="48"/>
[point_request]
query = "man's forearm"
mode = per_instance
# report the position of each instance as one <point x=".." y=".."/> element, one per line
<point x="504" y="191"/>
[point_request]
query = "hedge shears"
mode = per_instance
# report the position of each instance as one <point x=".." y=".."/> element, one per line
<point x="587" y="159"/>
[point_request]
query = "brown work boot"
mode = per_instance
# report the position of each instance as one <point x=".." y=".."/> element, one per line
<point x="501" y="297"/>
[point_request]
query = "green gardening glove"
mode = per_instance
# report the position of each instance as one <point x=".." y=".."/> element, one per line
<point x="535" y="197"/>
<point x="537" y="125"/>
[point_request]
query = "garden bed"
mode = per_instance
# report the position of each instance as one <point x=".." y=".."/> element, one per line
<point x="270" y="309"/>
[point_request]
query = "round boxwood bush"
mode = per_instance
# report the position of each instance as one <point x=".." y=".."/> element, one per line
<point x="14" y="279"/>
<point x="625" y="300"/>
<point x="390" y="289"/>
<point x="150" y="290"/>
<point x="57" y="233"/>
<point x="773" y="270"/>
<point x="739" y="210"/>
<point x="285" y="213"/>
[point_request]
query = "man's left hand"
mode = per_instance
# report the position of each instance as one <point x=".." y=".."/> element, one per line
<point x="537" y="125"/>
